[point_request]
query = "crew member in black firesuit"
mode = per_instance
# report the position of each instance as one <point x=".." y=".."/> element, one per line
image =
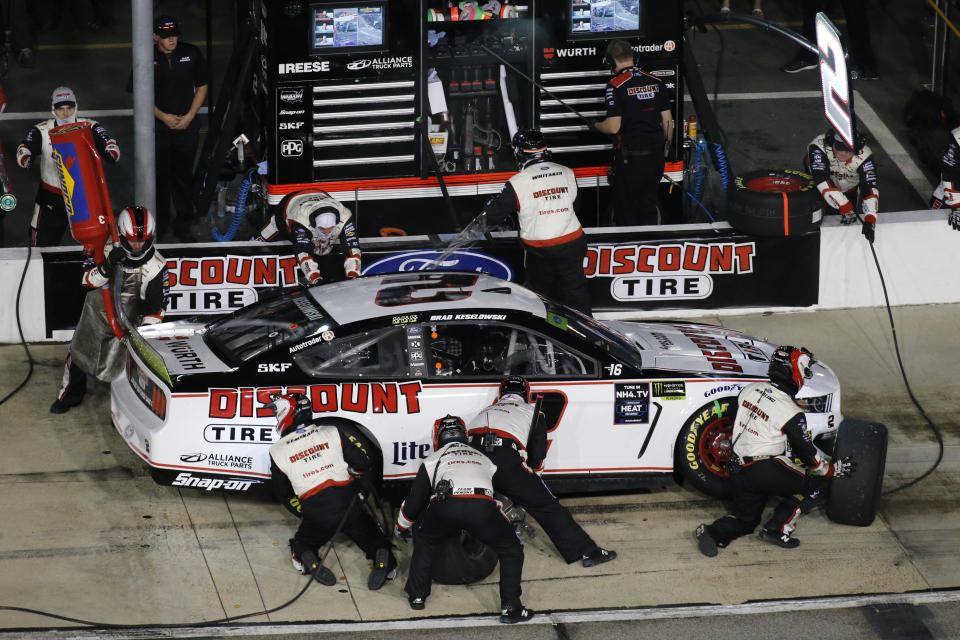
<point x="638" y="113"/>
<point x="49" y="213"/>
<point x="768" y="420"/>
<point x="315" y="468"/>
<point x="315" y="222"/>
<point x="542" y="195"/>
<point x="453" y="490"/>
<point x="947" y="193"/>
<point x="143" y="293"/>
<point x="180" y="78"/>
<point x="845" y="178"/>
<point x="516" y="441"/>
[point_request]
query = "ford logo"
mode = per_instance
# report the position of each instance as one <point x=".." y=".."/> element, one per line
<point x="440" y="260"/>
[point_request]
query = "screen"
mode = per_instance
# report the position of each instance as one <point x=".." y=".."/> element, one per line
<point x="348" y="26"/>
<point x="604" y="18"/>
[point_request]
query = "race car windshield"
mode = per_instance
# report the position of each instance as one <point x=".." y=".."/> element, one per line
<point x="591" y="331"/>
<point x="288" y="319"/>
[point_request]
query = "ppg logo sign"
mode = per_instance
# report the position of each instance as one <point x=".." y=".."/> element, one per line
<point x="291" y="148"/>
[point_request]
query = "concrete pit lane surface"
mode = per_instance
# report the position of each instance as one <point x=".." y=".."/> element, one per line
<point x="87" y="534"/>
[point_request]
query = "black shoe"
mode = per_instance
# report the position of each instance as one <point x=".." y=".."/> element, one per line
<point x="417" y="604"/>
<point x="384" y="568"/>
<point x="66" y="403"/>
<point x="598" y="556"/>
<point x="800" y="64"/>
<point x="311" y="563"/>
<point x="780" y="539"/>
<point x="513" y="615"/>
<point x="705" y="542"/>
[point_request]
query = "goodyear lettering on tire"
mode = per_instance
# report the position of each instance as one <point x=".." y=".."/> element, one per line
<point x="693" y="433"/>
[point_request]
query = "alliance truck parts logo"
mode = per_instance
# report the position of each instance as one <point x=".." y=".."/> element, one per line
<point x="667" y="271"/>
<point x="395" y="62"/>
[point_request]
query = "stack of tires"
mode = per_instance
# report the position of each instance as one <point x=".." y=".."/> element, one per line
<point x="774" y="203"/>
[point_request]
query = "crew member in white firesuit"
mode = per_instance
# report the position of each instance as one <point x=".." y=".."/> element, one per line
<point x="315" y="470"/>
<point x="542" y="195"/>
<point x="947" y="193"/>
<point x="143" y="292"/>
<point x="516" y="442"/>
<point x="845" y="178"/>
<point x="453" y="491"/>
<point x="49" y="213"/>
<point x="770" y="431"/>
<point x="315" y="222"/>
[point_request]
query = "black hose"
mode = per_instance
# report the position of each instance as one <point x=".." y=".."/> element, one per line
<point x="23" y="277"/>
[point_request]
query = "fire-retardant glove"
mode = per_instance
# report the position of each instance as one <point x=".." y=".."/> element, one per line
<point x="113" y="151"/>
<point x="951" y="195"/>
<point x="24" y="156"/>
<point x="954" y="219"/>
<point x="311" y="270"/>
<point x="351" y="264"/>
<point x="835" y="199"/>
<point x="403" y="534"/>
<point x="110" y="261"/>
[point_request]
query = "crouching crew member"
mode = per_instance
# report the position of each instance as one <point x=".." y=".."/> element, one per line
<point x="515" y="440"/>
<point x="143" y="293"/>
<point x="768" y="419"/>
<point x="315" y="222"/>
<point x="948" y="191"/>
<point x="542" y="196"/>
<point x="314" y="469"/>
<point x="453" y="490"/>
<point x="845" y="178"/>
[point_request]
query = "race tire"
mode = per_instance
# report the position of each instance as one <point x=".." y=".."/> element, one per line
<point x="704" y="446"/>
<point x="855" y="500"/>
<point x="462" y="560"/>
<point x="774" y="203"/>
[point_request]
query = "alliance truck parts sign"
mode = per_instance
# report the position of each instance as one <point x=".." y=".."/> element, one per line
<point x="699" y="269"/>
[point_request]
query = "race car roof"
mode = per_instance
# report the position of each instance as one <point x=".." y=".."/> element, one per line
<point x="423" y="291"/>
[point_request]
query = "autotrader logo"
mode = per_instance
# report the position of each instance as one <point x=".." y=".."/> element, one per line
<point x="291" y="148"/>
<point x="193" y="457"/>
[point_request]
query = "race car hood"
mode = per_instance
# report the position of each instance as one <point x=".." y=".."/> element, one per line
<point x="182" y="348"/>
<point x="696" y="347"/>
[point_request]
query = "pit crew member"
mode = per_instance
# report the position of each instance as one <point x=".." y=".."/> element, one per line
<point x="315" y="222"/>
<point x="143" y="292"/>
<point x="515" y="440"/>
<point x="845" y="178"/>
<point x="49" y="219"/>
<point x="542" y="194"/>
<point x="948" y="191"/>
<point x="770" y="430"/>
<point x="315" y="469"/>
<point x="638" y="113"/>
<point x="453" y="490"/>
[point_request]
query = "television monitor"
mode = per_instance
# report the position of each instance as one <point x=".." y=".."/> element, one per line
<point x="605" y="19"/>
<point x="348" y="27"/>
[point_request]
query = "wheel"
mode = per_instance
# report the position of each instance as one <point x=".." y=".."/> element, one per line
<point x="704" y="446"/>
<point x="774" y="203"/>
<point x="855" y="500"/>
<point x="463" y="559"/>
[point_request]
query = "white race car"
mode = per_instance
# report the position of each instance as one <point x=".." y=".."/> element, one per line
<point x="627" y="403"/>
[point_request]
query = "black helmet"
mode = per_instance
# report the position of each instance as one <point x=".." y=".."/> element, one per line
<point x="528" y="144"/>
<point x="291" y="409"/>
<point x="448" y="429"/>
<point x="136" y="224"/>
<point x="789" y="367"/>
<point x="837" y="142"/>
<point x="515" y="385"/>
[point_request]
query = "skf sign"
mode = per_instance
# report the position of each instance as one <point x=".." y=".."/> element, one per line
<point x="675" y="271"/>
<point x="221" y="284"/>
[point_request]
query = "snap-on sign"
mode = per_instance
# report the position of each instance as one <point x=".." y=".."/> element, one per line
<point x="372" y="397"/>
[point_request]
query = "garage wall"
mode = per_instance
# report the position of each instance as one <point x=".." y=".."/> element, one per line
<point x="916" y="249"/>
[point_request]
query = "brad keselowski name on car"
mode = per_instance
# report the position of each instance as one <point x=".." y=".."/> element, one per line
<point x="363" y="397"/>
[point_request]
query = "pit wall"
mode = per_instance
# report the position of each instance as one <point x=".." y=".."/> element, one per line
<point x="917" y="252"/>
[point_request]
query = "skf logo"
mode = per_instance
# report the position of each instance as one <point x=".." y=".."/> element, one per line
<point x="290" y="126"/>
<point x="273" y="367"/>
<point x="548" y="53"/>
<point x="669" y="45"/>
<point x="291" y="148"/>
<point x="356" y="65"/>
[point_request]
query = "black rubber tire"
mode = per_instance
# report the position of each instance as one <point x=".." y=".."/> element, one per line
<point x="774" y="203"/>
<point x="855" y="500"/>
<point x="462" y="560"/>
<point x="703" y="446"/>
